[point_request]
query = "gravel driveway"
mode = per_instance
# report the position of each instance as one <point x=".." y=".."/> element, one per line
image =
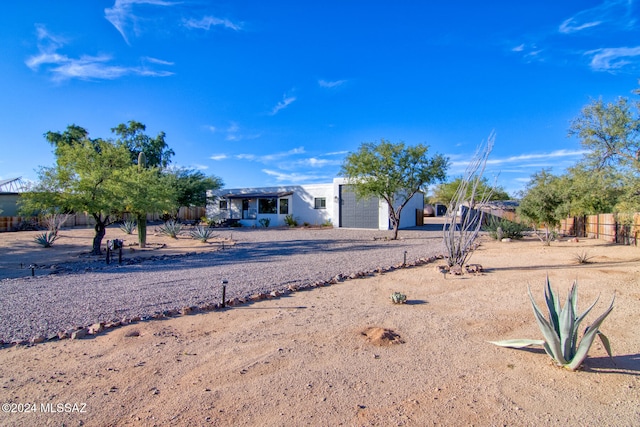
<point x="261" y="261"/>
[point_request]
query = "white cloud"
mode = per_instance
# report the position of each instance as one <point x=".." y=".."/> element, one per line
<point x="86" y="67"/>
<point x="296" y="178"/>
<point x="157" y="61"/>
<point x="570" y="26"/>
<point x="521" y="162"/>
<point x="211" y="129"/>
<point x="122" y="16"/>
<point x="331" y="84"/>
<point x="610" y="59"/>
<point x="519" y="48"/>
<point x="614" y="12"/>
<point x="219" y="157"/>
<point x="206" y="22"/>
<point x="286" y="101"/>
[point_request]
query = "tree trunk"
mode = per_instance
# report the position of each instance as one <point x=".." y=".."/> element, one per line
<point x="396" y="227"/>
<point x="142" y="230"/>
<point x="101" y="230"/>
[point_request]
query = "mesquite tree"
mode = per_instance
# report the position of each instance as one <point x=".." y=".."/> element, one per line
<point x="392" y="172"/>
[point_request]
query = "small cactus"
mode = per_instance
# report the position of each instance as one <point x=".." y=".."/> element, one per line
<point x="398" y="298"/>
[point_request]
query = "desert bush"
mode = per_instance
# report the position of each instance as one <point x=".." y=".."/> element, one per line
<point x="290" y="221"/>
<point x="499" y="228"/>
<point x="264" y="222"/>
<point x="201" y="233"/>
<point x="560" y="331"/>
<point x="171" y="228"/>
<point x="54" y="221"/>
<point x="128" y="226"/>
<point x="46" y="239"/>
<point x="582" y="257"/>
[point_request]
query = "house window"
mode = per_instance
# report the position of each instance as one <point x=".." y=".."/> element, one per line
<point x="320" y="203"/>
<point x="267" y="206"/>
<point x="223" y="205"/>
<point x="284" y="206"/>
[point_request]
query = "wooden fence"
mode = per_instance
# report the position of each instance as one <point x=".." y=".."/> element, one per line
<point x="605" y="227"/>
<point x="11" y="223"/>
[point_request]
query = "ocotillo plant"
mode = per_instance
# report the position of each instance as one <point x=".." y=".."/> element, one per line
<point x="141" y="217"/>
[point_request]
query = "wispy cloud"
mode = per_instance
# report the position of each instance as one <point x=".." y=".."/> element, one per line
<point x="122" y="15"/>
<point x="206" y="22"/>
<point x="612" y="59"/>
<point x="295" y="177"/>
<point x="270" y="158"/>
<point x="86" y="67"/>
<point x="617" y="12"/>
<point x="286" y="101"/>
<point x="331" y="84"/>
<point x="157" y="61"/>
<point x="521" y="162"/>
<point x="219" y="157"/>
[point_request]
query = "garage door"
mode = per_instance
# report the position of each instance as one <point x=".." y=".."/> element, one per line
<point x="357" y="213"/>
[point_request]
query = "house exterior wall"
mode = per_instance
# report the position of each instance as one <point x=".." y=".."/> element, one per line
<point x="302" y="205"/>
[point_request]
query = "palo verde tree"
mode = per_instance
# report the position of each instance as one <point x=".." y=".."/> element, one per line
<point x="392" y="172"/>
<point x="149" y="154"/>
<point x="147" y="190"/>
<point x="83" y="179"/>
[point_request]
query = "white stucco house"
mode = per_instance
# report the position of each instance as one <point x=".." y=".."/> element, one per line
<point x="315" y="204"/>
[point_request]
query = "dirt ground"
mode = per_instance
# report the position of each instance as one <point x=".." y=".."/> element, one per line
<point x="345" y="355"/>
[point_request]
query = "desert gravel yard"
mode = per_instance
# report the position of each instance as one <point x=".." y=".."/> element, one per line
<point x="84" y="291"/>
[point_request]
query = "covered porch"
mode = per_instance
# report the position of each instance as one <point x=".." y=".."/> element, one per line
<point x="250" y="208"/>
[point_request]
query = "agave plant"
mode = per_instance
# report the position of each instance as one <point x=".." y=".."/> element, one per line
<point x="561" y="329"/>
<point x="171" y="228"/>
<point x="128" y="226"/>
<point x="46" y="239"/>
<point x="201" y="233"/>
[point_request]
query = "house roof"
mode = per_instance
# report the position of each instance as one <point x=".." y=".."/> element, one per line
<point x="258" y="195"/>
<point x="13" y="185"/>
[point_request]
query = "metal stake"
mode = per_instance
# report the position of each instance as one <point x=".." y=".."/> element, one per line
<point x="224" y="292"/>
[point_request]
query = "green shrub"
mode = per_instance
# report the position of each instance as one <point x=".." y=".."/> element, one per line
<point x="290" y="221"/>
<point x="500" y="228"/>
<point x="171" y="228"/>
<point x="560" y="331"/>
<point x="46" y="239"/>
<point x="264" y="222"/>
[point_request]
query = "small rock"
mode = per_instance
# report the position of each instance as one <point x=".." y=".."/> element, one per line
<point x="185" y="310"/>
<point x="80" y="333"/>
<point x="96" y="328"/>
<point x="37" y="339"/>
<point x="132" y="333"/>
<point x="275" y="294"/>
<point x="505" y="240"/>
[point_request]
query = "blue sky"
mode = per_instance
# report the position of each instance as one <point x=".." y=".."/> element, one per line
<point x="267" y="93"/>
